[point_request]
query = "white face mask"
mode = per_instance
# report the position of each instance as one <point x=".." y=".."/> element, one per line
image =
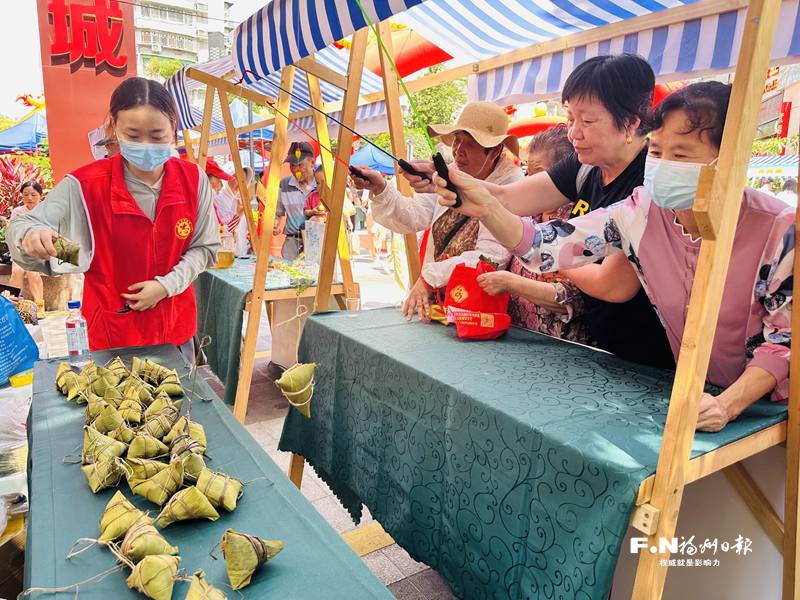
<point x="672" y="184"/>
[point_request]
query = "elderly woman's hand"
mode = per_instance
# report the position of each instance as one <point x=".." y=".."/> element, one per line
<point x="371" y="181"/>
<point x="475" y="198"/>
<point x="497" y="282"/>
<point x="421" y="185"/>
<point x="419" y="302"/>
<point x="713" y="414"/>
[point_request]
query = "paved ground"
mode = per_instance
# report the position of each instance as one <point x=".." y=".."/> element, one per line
<point x="406" y="578"/>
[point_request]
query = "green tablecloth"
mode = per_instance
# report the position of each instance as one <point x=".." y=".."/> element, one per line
<point x="221" y="295"/>
<point x="316" y="562"/>
<point x="510" y="466"/>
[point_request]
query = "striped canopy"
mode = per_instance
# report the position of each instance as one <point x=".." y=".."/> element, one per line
<point x="691" y="48"/>
<point x="181" y="85"/>
<point x="774" y="166"/>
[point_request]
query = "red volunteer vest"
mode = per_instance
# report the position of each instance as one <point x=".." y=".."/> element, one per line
<point x="129" y="248"/>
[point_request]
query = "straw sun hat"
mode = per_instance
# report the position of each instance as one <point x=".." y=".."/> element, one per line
<point x="485" y="121"/>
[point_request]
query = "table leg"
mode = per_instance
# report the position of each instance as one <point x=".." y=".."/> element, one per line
<point x="296" y="469"/>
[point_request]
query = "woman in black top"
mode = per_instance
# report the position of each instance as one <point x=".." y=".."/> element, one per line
<point x="607" y="99"/>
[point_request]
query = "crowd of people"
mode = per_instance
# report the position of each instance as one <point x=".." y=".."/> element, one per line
<point x="593" y="229"/>
<point x="602" y="237"/>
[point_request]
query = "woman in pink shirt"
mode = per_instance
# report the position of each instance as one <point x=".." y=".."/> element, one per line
<point x="31" y="194"/>
<point x="656" y="230"/>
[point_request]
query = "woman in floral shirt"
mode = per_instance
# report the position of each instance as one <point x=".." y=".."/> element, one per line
<point x="655" y="228"/>
<point x="548" y="303"/>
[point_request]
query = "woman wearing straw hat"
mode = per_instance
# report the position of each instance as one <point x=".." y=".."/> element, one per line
<point x="481" y="147"/>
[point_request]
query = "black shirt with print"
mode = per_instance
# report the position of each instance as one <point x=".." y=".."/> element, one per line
<point x="631" y="330"/>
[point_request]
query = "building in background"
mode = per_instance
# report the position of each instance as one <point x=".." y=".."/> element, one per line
<point x="184" y="30"/>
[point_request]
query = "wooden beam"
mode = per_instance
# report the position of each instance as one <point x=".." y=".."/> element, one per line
<point x="233" y="144"/>
<point x="394" y="117"/>
<point x="257" y="125"/>
<point x="187" y="142"/>
<point x="262" y="249"/>
<point x="312" y="67"/>
<point x="717" y="460"/>
<point x="227" y="86"/>
<point x="323" y="137"/>
<point x="205" y="126"/>
<point x="340" y="172"/>
<point x="791" y="556"/>
<point x="757" y="502"/>
<point x="707" y="290"/>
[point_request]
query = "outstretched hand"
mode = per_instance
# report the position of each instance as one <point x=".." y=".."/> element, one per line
<point x="475" y="198"/>
<point x="421" y="185"/>
<point x="371" y="181"/>
<point x="38" y="243"/>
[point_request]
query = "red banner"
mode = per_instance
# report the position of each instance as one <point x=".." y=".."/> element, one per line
<point x="783" y="120"/>
<point x="88" y="48"/>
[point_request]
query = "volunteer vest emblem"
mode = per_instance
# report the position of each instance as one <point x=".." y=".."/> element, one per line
<point x="459" y="294"/>
<point x="183" y="228"/>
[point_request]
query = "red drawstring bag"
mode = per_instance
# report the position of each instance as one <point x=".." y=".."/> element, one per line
<point x="477" y="314"/>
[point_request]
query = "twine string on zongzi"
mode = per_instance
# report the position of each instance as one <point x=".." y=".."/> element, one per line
<point x="73" y="586"/>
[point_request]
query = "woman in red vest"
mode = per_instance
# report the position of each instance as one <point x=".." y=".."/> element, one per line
<point x="145" y="223"/>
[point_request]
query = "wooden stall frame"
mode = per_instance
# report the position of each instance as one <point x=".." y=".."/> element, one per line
<point x="332" y="193"/>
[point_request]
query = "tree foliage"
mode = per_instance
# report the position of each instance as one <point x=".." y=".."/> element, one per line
<point x="162" y="68"/>
<point x="438" y="104"/>
<point x="774" y="145"/>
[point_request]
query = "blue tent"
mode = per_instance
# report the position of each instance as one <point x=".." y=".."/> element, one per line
<point x="368" y="156"/>
<point x="26" y="135"/>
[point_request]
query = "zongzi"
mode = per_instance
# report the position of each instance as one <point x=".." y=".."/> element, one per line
<point x="200" y="589"/>
<point x="160" y="486"/>
<point x="143" y="539"/>
<point x="297" y="385"/>
<point x="154" y="576"/>
<point x="146" y="446"/>
<point x="244" y="554"/>
<point x="221" y="490"/>
<point x="118" y="517"/>
<point x="102" y="474"/>
<point x="67" y="251"/>
<point x="189" y="503"/>
<point x="97" y="446"/>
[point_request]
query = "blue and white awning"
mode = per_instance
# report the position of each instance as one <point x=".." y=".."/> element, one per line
<point x="284" y="31"/>
<point x="774" y="166"/>
<point x="181" y="86"/>
<point x="685" y="49"/>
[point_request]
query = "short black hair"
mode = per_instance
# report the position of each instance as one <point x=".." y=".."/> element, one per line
<point x="622" y="83"/>
<point x="705" y="104"/>
<point x="31" y="184"/>
<point x="790" y="185"/>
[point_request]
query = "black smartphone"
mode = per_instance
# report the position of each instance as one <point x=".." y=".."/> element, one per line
<point x="357" y="173"/>
<point x="409" y="168"/>
<point x="441" y="170"/>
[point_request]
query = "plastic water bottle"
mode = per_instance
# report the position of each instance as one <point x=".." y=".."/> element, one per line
<point x="77" y="338"/>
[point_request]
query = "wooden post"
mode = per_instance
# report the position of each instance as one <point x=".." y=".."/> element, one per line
<point x="233" y="145"/>
<point x="340" y="173"/>
<point x="707" y="289"/>
<point x="189" y="146"/>
<point x="324" y="139"/>
<point x="791" y="522"/>
<point x="262" y="246"/>
<point x="205" y="128"/>
<point x="394" y="117"/>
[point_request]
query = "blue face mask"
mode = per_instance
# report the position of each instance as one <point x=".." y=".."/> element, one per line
<point x="147" y="157"/>
<point x="672" y="184"/>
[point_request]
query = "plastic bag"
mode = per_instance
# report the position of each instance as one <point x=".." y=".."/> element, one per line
<point x="18" y="351"/>
<point x="14" y="406"/>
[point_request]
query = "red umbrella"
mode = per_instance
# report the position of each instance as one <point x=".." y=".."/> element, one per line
<point x="533" y="125"/>
<point x="411" y="53"/>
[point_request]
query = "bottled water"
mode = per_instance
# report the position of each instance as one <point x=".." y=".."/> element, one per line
<point x="77" y="338"/>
